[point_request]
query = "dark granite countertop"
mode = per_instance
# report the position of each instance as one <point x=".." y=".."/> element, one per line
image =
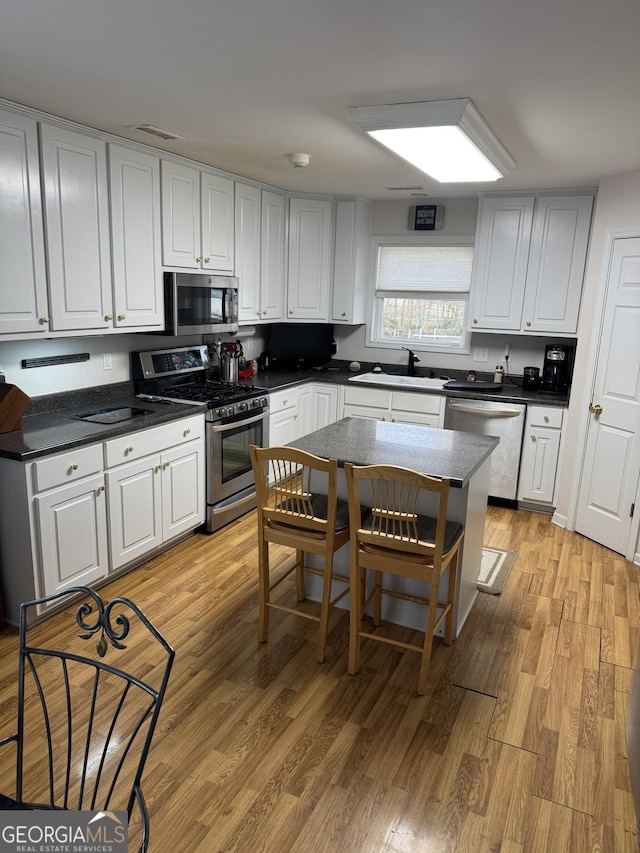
<point x="438" y="452"/>
<point x="277" y="380"/>
<point x="48" y="427"/>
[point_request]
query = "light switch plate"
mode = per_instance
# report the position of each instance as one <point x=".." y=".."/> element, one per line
<point x="480" y="354"/>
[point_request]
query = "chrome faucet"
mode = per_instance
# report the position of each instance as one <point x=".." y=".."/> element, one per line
<point x="413" y="358"/>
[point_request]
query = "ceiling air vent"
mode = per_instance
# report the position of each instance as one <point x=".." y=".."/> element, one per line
<point x="404" y="189"/>
<point x="155" y="131"/>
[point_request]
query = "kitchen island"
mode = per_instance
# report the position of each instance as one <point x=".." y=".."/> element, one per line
<point x="463" y="457"/>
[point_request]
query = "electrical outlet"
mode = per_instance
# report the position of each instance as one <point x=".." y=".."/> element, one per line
<point x="248" y="347"/>
<point x="106" y="361"/>
<point x="480" y="354"/>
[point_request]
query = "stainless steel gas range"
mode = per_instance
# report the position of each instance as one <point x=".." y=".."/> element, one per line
<point x="237" y="415"/>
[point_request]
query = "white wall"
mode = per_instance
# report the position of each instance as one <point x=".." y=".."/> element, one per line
<point x="618" y="207"/>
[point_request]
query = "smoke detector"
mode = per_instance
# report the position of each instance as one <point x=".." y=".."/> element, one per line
<point x="299" y="160"/>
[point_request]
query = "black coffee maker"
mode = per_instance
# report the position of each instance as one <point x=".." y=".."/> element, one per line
<point x="557" y="369"/>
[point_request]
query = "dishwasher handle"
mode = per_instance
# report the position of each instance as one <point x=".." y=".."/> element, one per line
<point x="486" y="413"/>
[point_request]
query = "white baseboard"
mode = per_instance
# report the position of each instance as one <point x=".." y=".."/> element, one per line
<point x="559" y="520"/>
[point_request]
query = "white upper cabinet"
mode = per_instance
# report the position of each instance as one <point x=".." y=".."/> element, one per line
<point x="76" y="203"/>
<point x="217" y="202"/>
<point x="260" y="254"/>
<point x="248" y="227"/>
<point x="134" y="179"/>
<point x="273" y="256"/>
<point x="180" y="215"/>
<point x="500" y="262"/>
<point x="529" y="263"/>
<point x="197" y="219"/>
<point x="23" y="308"/>
<point x="310" y="259"/>
<point x="353" y="258"/>
<point x="556" y="264"/>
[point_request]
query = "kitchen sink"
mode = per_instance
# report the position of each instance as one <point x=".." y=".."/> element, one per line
<point x="399" y="381"/>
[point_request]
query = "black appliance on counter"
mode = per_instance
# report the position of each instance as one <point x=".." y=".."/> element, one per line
<point x="557" y="369"/>
<point x="237" y="415"/>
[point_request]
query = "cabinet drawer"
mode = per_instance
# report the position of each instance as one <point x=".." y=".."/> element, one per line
<point x="284" y="399"/>
<point x="428" y="404"/>
<point x="545" y="416"/>
<point x="135" y="445"/>
<point x="64" y="468"/>
<point x="374" y="397"/>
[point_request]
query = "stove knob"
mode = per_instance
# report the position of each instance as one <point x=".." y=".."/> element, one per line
<point x="243" y="407"/>
<point x="221" y="413"/>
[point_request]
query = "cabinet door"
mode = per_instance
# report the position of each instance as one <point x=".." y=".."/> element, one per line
<point x="136" y="238"/>
<point x="248" y="206"/>
<point x="135" y="509"/>
<point x="538" y="467"/>
<point x="309" y="279"/>
<point x="183" y="489"/>
<point x="71" y="526"/>
<point x="180" y="215"/>
<point x="273" y="258"/>
<point x="23" y="308"/>
<point x="77" y="219"/>
<point x="556" y="264"/>
<point x="352" y="261"/>
<point x="325" y="406"/>
<point x="217" y="218"/>
<point x="500" y="262"/>
<point x="306" y="410"/>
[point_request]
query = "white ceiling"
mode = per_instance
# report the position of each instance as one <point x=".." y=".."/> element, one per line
<point x="247" y="82"/>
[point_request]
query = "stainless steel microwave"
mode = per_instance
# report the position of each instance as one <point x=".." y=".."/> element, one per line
<point x="196" y="304"/>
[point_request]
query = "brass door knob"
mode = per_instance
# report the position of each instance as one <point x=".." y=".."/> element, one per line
<point x="199" y="260"/>
<point x="108" y="317"/>
<point x="43" y="320"/>
<point x="595" y="410"/>
<point x="207" y="260"/>
<point x="122" y="317"/>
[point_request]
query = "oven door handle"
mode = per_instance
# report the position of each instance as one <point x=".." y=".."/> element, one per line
<point x="241" y="422"/>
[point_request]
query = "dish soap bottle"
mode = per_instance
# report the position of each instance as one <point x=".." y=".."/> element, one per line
<point x="499" y="374"/>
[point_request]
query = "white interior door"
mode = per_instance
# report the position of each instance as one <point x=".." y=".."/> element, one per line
<point x="612" y="457"/>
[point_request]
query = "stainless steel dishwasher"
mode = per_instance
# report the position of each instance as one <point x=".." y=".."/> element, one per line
<point x="504" y="420"/>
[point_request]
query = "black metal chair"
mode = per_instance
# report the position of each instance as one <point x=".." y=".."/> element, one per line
<point x="84" y="725"/>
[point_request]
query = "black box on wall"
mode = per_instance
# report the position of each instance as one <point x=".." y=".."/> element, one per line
<point x="426" y="217"/>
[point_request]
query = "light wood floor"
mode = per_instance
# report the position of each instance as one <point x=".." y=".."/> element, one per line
<point x="519" y="744"/>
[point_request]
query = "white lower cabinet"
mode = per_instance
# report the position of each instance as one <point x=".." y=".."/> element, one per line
<point x="318" y="406"/>
<point x="71" y="532"/>
<point x="160" y="492"/>
<point x="283" y="419"/>
<point x="300" y="410"/>
<point x="540" y="454"/>
<point x="65" y="521"/>
<point x="153" y="500"/>
<point x="397" y="406"/>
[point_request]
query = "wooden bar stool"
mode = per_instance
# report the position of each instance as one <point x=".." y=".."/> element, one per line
<point x="397" y="540"/>
<point x="291" y="514"/>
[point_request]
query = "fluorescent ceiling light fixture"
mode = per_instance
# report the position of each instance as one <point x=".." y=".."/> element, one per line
<point x="449" y="140"/>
